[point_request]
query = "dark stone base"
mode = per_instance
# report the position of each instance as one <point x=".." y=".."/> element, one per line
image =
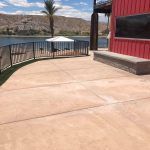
<point x="135" y="65"/>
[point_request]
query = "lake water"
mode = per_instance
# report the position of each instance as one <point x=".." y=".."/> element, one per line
<point x="102" y="42"/>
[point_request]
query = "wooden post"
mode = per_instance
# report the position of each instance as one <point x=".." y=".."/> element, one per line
<point x="94" y="3"/>
<point x="109" y="41"/>
<point x="94" y="32"/>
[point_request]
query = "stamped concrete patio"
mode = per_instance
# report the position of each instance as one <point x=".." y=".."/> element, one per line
<point x="74" y="104"/>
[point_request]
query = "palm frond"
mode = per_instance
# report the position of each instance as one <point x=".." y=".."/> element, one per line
<point x="50" y="10"/>
<point x="44" y="12"/>
<point x="50" y="7"/>
<point x="56" y="9"/>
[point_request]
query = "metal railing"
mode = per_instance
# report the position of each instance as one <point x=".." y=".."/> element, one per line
<point x="17" y="53"/>
<point x="101" y="2"/>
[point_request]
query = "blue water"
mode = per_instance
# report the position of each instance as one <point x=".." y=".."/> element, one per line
<point x="102" y="42"/>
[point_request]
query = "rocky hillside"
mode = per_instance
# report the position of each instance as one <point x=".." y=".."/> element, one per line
<point x="39" y="24"/>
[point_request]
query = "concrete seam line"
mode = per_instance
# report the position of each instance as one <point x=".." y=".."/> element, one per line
<point x="76" y="110"/>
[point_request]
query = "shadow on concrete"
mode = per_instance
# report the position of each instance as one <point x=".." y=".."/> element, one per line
<point x="5" y="75"/>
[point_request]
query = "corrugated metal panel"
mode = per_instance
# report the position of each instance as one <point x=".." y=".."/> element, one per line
<point x="139" y="48"/>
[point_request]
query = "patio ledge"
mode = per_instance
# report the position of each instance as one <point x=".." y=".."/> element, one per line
<point x="135" y="65"/>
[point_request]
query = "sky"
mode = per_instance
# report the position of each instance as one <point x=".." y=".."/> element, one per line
<point x="69" y="8"/>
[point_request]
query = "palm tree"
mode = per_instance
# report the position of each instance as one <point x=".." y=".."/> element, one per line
<point x="50" y="10"/>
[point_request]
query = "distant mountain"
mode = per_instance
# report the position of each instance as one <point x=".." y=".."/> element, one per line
<point x="30" y="25"/>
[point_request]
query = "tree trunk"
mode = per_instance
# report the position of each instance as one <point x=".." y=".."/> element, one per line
<point x="51" y="20"/>
<point x="50" y="25"/>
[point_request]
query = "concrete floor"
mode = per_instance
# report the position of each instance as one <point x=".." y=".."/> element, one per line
<point x="74" y="104"/>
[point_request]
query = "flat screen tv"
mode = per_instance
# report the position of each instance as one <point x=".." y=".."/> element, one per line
<point x="137" y="26"/>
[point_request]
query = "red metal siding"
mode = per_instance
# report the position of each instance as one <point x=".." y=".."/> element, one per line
<point x="139" y="48"/>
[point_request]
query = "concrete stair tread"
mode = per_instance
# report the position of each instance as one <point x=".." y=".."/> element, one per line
<point x="131" y="64"/>
<point x="123" y="57"/>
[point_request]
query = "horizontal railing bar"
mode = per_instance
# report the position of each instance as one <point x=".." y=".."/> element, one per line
<point x="39" y="42"/>
<point x="101" y="2"/>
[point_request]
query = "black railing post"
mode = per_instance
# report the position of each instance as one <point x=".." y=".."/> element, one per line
<point x="53" y="54"/>
<point x="53" y="49"/>
<point x="74" y="46"/>
<point x="0" y="65"/>
<point x="11" y="63"/>
<point x="33" y="51"/>
<point x="87" y="48"/>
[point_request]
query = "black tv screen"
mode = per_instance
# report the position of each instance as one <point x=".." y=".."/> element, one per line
<point x="137" y="26"/>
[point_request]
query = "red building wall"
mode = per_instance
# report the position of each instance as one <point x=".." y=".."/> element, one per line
<point x="133" y="47"/>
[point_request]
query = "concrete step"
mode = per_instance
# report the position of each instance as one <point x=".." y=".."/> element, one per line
<point x="135" y="65"/>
